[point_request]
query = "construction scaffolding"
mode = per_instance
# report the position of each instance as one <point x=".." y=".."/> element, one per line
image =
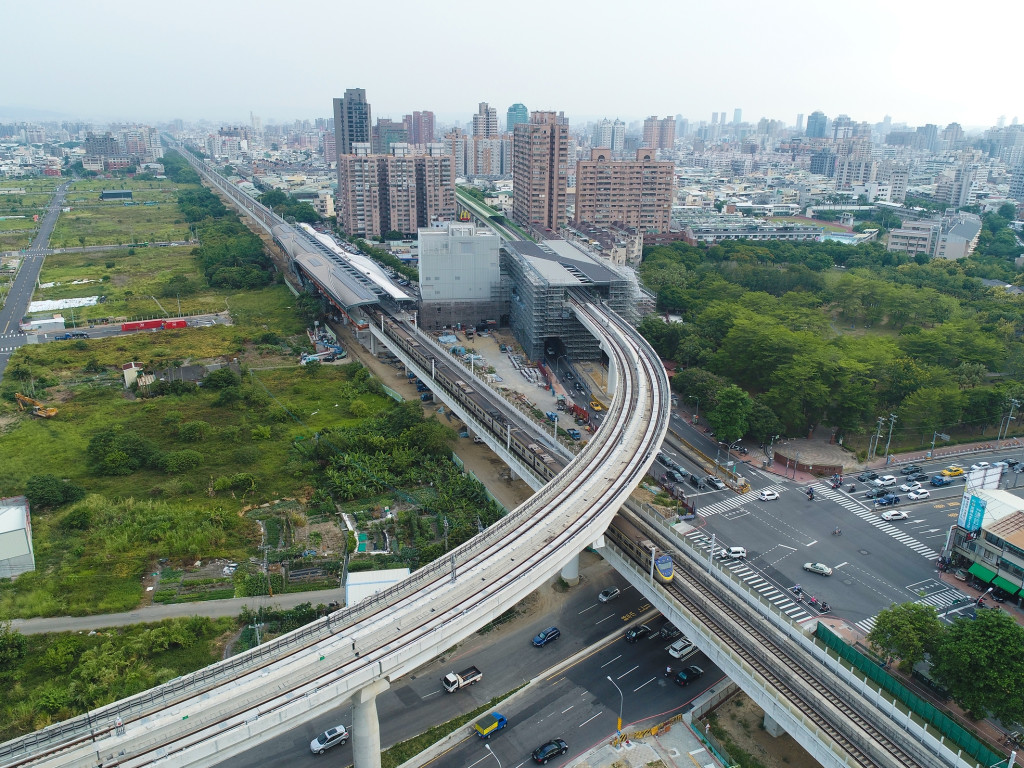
<point x="541" y="275"/>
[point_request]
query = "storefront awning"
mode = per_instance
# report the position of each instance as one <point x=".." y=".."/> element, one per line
<point x="981" y="572"/>
<point x="1009" y="586"/>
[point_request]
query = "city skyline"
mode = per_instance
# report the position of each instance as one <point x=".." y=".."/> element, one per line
<point x="149" y="70"/>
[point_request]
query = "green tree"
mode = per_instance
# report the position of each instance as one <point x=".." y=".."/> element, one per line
<point x="907" y="631"/>
<point x="981" y="664"/>
<point x="12" y="647"/>
<point x="44" y="491"/>
<point x="222" y="378"/>
<point x="729" y="416"/>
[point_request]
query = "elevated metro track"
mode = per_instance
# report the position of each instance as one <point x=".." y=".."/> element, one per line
<point x="829" y="716"/>
<point x="220" y="711"/>
<point x="227" y="708"/>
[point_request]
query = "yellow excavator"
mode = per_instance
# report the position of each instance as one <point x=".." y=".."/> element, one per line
<point x="38" y="409"/>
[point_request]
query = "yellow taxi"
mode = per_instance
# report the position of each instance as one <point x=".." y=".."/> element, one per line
<point x="953" y="471"/>
<point x="596" y="405"/>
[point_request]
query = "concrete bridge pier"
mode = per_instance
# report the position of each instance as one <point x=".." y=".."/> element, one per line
<point x="571" y="571"/>
<point x="366" y="727"/>
<point x="772" y="727"/>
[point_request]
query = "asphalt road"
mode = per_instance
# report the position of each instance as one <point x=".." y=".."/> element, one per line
<point x="577" y="704"/>
<point x="18" y="298"/>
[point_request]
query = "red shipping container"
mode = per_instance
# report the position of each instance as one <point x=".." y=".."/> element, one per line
<point x="175" y="323"/>
<point x="151" y="324"/>
<point x="132" y="326"/>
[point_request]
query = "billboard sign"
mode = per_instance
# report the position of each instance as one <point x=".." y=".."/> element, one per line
<point x="972" y="512"/>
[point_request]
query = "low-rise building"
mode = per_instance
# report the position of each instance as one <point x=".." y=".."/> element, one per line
<point x="989" y="538"/>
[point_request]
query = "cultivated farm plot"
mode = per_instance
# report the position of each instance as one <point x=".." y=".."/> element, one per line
<point x="113" y="223"/>
<point x="15" y="241"/>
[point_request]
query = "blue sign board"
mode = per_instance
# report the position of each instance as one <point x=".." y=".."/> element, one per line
<point x="972" y="512"/>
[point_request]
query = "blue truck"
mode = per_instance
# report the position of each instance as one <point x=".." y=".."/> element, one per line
<point x="489" y="724"/>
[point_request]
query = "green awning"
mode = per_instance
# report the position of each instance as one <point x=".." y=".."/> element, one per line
<point x="1009" y="586"/>
<point x="981" y="572"/>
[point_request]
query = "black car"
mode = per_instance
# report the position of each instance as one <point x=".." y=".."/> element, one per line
<point x="697" y="483"/>
<point x="865" y="476"/>
<point x="875" y="493"/>
<point x="546" y="636"/>
<point x="548" y="750"/>
<point x="919" y="477"/>
<point x="1012" y="463"/>
<point x="687" y="675"/>
<point x="888" y="500"/>
<point x="668" y="630"/>
<point x="910" y="469"/>
<point x="635" y="633"/>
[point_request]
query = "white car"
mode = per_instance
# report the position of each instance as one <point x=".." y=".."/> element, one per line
<point x="821" y="568"/>
<point x="885" y="481"/>
<point x="919" y="494"/>
<point x="768" y="495"/>
<point x="980" y="465"/>
<point x="894" y="514"/>
<point x="733" y="553"/>
<point x="336" y="735"/>
<point x="910" y="487"/>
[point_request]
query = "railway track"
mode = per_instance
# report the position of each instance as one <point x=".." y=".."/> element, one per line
<point x="862" y="732"/>
<point x="359" y="645"/>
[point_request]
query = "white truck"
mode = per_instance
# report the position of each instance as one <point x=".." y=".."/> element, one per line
<point x="456" y="680"/>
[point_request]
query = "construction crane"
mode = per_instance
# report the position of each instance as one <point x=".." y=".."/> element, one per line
<point x="38" y="409"/>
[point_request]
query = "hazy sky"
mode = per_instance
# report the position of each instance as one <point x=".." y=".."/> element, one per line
<point x="920" y="62"/>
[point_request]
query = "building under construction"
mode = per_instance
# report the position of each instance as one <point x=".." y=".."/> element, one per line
<point x="540" y="317"/>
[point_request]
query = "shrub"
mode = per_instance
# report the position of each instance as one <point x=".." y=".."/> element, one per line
<point x="193" y="431"/>
<point x="176" y="462"/>
<point x="45" y="491"/>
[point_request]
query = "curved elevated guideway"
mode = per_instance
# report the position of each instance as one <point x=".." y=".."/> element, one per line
<point x="201" y="719"/>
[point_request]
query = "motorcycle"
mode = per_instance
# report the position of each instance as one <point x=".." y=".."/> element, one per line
<point x="835" y="486"/>
<point x="813" y="602"/>
<point x="837" y="532"/>
<point x="810" y="494"/>
<point x="852" y="488"/>
<point x="824" y="608"/>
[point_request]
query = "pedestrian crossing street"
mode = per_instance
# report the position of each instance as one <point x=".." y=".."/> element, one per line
<point x="781" y="599"/>
<point x="941" y="599"/>
<point x="869" y="516"/>
<point x="736" y="501"/>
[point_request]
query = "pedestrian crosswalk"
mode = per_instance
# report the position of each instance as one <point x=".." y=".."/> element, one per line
<point x="735" y="501"/>
<point x="942" y="600"/>
<point x="868" y="515"/>
<point x="781" y="599"/>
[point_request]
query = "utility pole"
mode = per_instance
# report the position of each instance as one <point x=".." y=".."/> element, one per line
<point x="892" y="422"/>
<point x="872" y="450"/>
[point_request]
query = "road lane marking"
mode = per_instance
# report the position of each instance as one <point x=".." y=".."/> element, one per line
<point x="813" y="543"/>
<point x="581" y="725"/>
<point x="613" y="660"/>
<point x="634" y="669"/>
<point x="645" y="684"/>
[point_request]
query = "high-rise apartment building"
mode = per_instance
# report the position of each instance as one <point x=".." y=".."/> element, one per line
<point x="398" y="192"/>
<point x="516" y="114"/>
<point x="485" y="121"/>
<point x="817" y="124"/>
<point x="737" y="116"/>
<point x="388" y="132"/>
<point x="957" y="189"/>
<point x="351" y="121"/>
<point x="421" y="127"/>
<point x="659" y="134"/>
<point x="1017" y="184"/>
<point x="800" y="122"/>
<point x="610" y="134"/>
<point x="635" y="193"/>
<point x="540" y="169"/>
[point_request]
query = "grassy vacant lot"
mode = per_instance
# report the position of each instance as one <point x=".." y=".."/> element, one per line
<point x="91" y="557"/>
<point x="113" y="223"/>
<point x="61" y="675"/>
<point x="129" y="279"/>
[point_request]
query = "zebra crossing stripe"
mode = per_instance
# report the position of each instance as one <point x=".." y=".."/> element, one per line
<point x="866" y="514"/>
<point x="940" y="600"/>
<point x="735" y="501"/>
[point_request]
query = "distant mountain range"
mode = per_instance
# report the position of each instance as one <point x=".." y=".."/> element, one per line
<point x="23" y="114"/>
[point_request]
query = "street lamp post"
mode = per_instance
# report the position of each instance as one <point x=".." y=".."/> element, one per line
<point x="935" y="435"/>
<point x="556" y="428"/>
<point x="1002" y="432"/>
<point x="488" y="748"/>
<point x="621" y="701"/>
<point x="696" y="413"/>
<point x="984" y="595"/>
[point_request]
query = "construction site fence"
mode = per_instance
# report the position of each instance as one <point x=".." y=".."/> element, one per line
<point x="963" y="739"/>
